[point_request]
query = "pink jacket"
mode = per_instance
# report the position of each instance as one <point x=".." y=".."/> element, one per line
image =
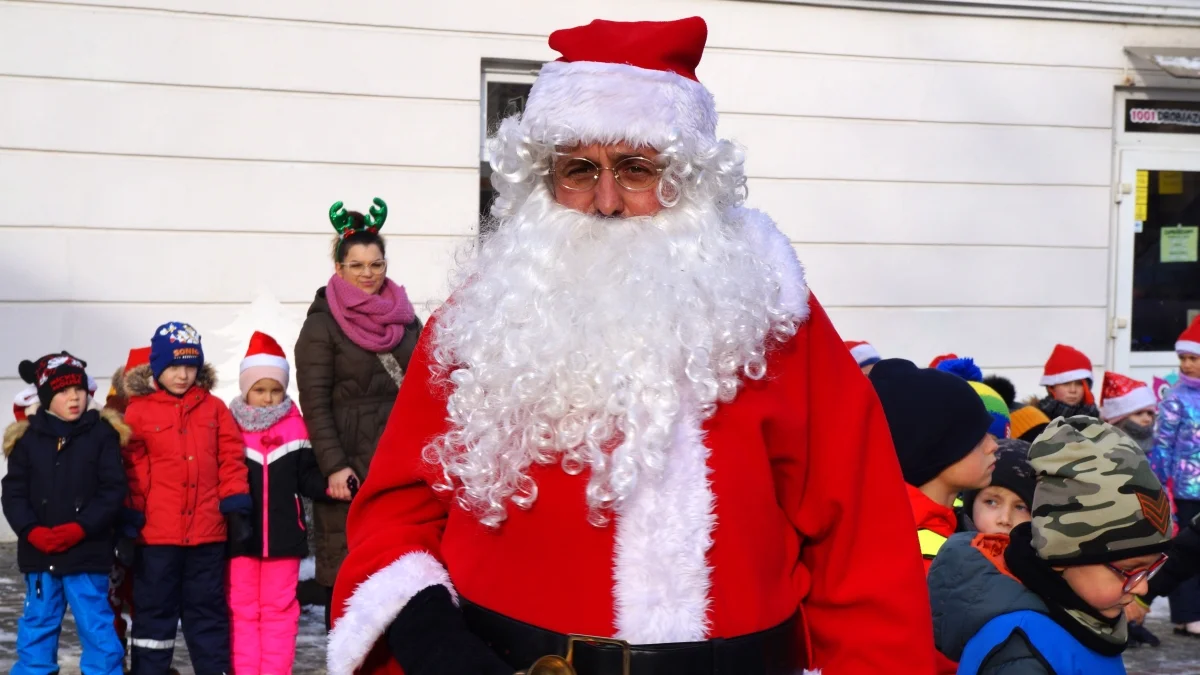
<point x="282" y="469"/>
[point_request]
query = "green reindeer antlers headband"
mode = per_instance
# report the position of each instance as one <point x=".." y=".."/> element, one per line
<point x="372" y="221"/>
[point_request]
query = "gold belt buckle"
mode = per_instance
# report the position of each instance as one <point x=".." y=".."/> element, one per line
<point x="558" y="665"/>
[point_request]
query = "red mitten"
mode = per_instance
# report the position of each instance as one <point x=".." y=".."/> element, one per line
<point x="44" y="539"/>
<point x="68" y="535"/>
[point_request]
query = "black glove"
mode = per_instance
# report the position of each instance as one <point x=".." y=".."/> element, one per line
<point x="126" y="551"/>
<point x="430" y="637"/>
<point x="238" y="528"/>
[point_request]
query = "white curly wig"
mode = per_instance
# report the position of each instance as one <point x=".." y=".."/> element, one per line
<point x="580" y="340"/>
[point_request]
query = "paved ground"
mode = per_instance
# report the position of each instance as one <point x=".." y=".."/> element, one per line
<point x="1176" y="656"/>
<point x="310" y="646"/>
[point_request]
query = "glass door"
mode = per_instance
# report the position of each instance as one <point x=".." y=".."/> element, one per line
<point x="1158" y="272"/>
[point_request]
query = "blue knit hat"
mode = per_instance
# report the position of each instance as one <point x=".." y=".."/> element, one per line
<point x="175" y="344"/>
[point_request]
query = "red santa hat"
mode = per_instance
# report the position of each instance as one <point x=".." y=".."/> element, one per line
<point x="1066" y="364"/>
<point x="1122" y="396"/>
<point x="138" y="356"/>
<point x="624" y="81"/>
<point x="264" y="360"/>
<point x="1189" y="340"/>
<point x="863" y="353"/>
<point x="941" y="358"/>
<point x="25" y="402"/>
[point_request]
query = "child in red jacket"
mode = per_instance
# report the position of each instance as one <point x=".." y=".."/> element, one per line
<point x="187" y="475"/>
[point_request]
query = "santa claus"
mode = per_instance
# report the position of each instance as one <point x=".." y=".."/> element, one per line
<point x="632" y="436"/>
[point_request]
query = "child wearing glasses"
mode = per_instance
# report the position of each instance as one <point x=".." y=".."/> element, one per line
<point x="1050" y="597"/>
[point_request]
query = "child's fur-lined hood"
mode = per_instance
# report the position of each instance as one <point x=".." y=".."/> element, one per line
<point x="139" y="381"/>
<point x="16" y="430"/>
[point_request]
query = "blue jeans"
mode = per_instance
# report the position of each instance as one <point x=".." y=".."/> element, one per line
<point x="46" y="599"/>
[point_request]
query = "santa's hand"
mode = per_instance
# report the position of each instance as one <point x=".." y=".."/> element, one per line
<point x="430" y="637"/>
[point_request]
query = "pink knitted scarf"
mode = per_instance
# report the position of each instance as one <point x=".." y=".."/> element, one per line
<point x="374" y="322"/>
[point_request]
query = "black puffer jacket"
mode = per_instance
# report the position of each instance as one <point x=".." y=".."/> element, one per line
<point x="82" y="481"/>
<point x="346" y="396"/>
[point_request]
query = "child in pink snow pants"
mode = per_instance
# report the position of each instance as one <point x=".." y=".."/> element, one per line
<point x="263" y="571"/>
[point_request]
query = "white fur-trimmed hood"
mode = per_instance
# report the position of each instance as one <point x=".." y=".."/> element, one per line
<point x="776" y="249"/>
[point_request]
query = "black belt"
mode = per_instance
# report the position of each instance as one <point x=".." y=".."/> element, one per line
<point x="769" y="652"/>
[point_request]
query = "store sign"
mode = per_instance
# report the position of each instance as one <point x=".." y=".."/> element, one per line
<point x="1162" y="117"/>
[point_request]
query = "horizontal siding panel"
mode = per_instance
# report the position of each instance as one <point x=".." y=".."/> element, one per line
<point x="199" y="267"/>
<point x="330" y="58"/>
<point x="996" y="337"/>
<point x="933" y="213"/>
<point x="102" y="334"/>
<point x="104" y="191"/>
<point x="113" y="44"/>
<point x="781" y="147"/>
<point x="910" y="90"/>
<point x="959" y="276"/>
<point x="1025" y="380"/>
<point x="746" y="25"/>
<point x="173" y="121"/>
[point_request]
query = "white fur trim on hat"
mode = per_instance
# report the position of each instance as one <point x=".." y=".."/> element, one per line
<point x="249" y="376"/>
<point x="376" y="603"/>
<point x="864" y="353"/>
<point x="264" y="360"/>
<point x="1063" y="378"/>
<point x="1187" y="347"/>
<point x="593" y="102"/>
<point x="26" y="397"/>
<point x="1136" y="400"/>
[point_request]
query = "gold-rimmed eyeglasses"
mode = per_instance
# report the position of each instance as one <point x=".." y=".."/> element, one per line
<point x="358" y="269"/>
<point x="636" y="174"/>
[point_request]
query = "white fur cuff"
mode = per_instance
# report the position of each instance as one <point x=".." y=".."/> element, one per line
<point x="376" y="603"/>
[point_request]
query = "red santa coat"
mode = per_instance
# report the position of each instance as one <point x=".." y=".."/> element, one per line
<point x="788" y="500"/>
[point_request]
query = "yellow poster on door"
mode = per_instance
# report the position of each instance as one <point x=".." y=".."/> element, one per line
<point x="1141" y="196"/>
<point x="1170" y="182"/>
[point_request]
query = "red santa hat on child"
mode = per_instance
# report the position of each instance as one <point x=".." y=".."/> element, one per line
<point x="25" y="402"/>
<point x="942" y="358"/>
<point x="1122" y="396"/>
<point x="264" y="360"/>
<point x="1189" y="340"/>
<point x="624" y="81"/>
<point x="1066" y="364"/>
<point x="863" y="353"/>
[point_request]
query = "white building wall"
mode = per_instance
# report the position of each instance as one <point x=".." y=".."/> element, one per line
<point x="945" y="178"/>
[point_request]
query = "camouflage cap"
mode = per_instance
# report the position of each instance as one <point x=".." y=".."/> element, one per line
<point x="1096" y="498"/>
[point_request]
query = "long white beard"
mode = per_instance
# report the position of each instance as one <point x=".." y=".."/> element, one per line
<point x="578" y="340"/>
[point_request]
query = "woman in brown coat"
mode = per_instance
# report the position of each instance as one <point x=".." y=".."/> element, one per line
<point x="350" y="359"/>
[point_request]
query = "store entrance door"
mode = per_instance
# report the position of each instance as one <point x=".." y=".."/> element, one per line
<point x="1158" y="273"/>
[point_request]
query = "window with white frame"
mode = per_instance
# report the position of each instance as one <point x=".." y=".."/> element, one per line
<point x="504" y="86"/>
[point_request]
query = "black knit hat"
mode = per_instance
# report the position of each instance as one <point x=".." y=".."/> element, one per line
<point x="936" y="418"/>
<point x="1013" y="471"/>
<point x="53" y="373"/>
